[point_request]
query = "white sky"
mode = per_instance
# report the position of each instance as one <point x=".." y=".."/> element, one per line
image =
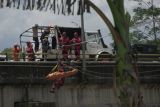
<point x="13" y="22"/>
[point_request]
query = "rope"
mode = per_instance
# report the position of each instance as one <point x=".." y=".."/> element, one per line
<point x="152" y="71"/>
<point x="54" y="68"/>
<point x="152" y="76"/>
<point x="91" y="75"/>
<point x="89" y="71"/>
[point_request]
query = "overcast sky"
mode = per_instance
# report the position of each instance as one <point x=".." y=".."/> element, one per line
<point x="13" y="22"/>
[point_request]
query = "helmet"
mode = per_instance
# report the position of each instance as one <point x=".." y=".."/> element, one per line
<point x="64" y="33"/>
<point x="75" y="34"/>
<point x="15" y="45"/>
<point x="28" y="43"/>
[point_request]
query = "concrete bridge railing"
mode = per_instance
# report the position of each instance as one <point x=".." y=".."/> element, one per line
<point x="96" y="72"/>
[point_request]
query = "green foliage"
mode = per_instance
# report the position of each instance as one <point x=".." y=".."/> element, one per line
<point x="151" y="32"/>
<point x="8" y="52"/>
<point x="137" y="37"/>
<point x="145" y="22"/>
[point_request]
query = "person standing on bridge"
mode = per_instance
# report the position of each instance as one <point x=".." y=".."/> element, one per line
<point x="77" y="45"/>
<point x="45" y="47"/>
<point x="65" y="43"/>
<point x="35" y="37"/>
<point x="30" y="51"/>
<point x="16" y="51"/>
<point x="45" y="34"/>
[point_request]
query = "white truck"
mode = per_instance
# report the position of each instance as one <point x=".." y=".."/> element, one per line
<point x="95" y="48"/>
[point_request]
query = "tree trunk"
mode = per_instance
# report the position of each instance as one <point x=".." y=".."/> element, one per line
<point x="126" y="82"/>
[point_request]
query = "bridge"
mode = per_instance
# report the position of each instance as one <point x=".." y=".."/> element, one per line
<point x="23" y="84"/>
<point x="96" y="71"/>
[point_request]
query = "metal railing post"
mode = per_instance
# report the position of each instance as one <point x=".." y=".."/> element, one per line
<point x="6" y="56"/>
<point x="23" y="56"/>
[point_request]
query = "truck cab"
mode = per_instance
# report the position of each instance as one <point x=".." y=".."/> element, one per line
<point x="95" y="48"/>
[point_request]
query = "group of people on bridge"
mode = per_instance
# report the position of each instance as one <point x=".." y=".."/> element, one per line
<point x="66" y="45"/>
<point x="29" y="51"/>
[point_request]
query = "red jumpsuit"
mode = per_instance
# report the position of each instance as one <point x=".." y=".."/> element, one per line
<point x="77" y="41"/>
<point x="30" y="52"/>
<point x="16" y="51"/>
<point x="58" y="82"/>
<point x="64" y="42"/>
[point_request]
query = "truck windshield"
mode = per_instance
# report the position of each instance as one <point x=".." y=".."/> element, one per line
<point x="92" y="37"/>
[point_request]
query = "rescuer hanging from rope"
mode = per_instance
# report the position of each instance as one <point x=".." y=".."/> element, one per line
<point x="58" y="76"/>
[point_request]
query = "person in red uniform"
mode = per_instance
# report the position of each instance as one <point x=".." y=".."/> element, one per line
<point x="16" y="50"/>
<point x="59" y="81"/>
<point x="76" y="40"/>
<point x="65" y="43"/>
<point x="30" y="51"/>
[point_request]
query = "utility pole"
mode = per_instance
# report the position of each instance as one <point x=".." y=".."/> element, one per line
<point x="83" y="37"/>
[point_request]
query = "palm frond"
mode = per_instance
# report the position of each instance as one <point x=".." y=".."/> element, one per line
<point x="56" y="6"/>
